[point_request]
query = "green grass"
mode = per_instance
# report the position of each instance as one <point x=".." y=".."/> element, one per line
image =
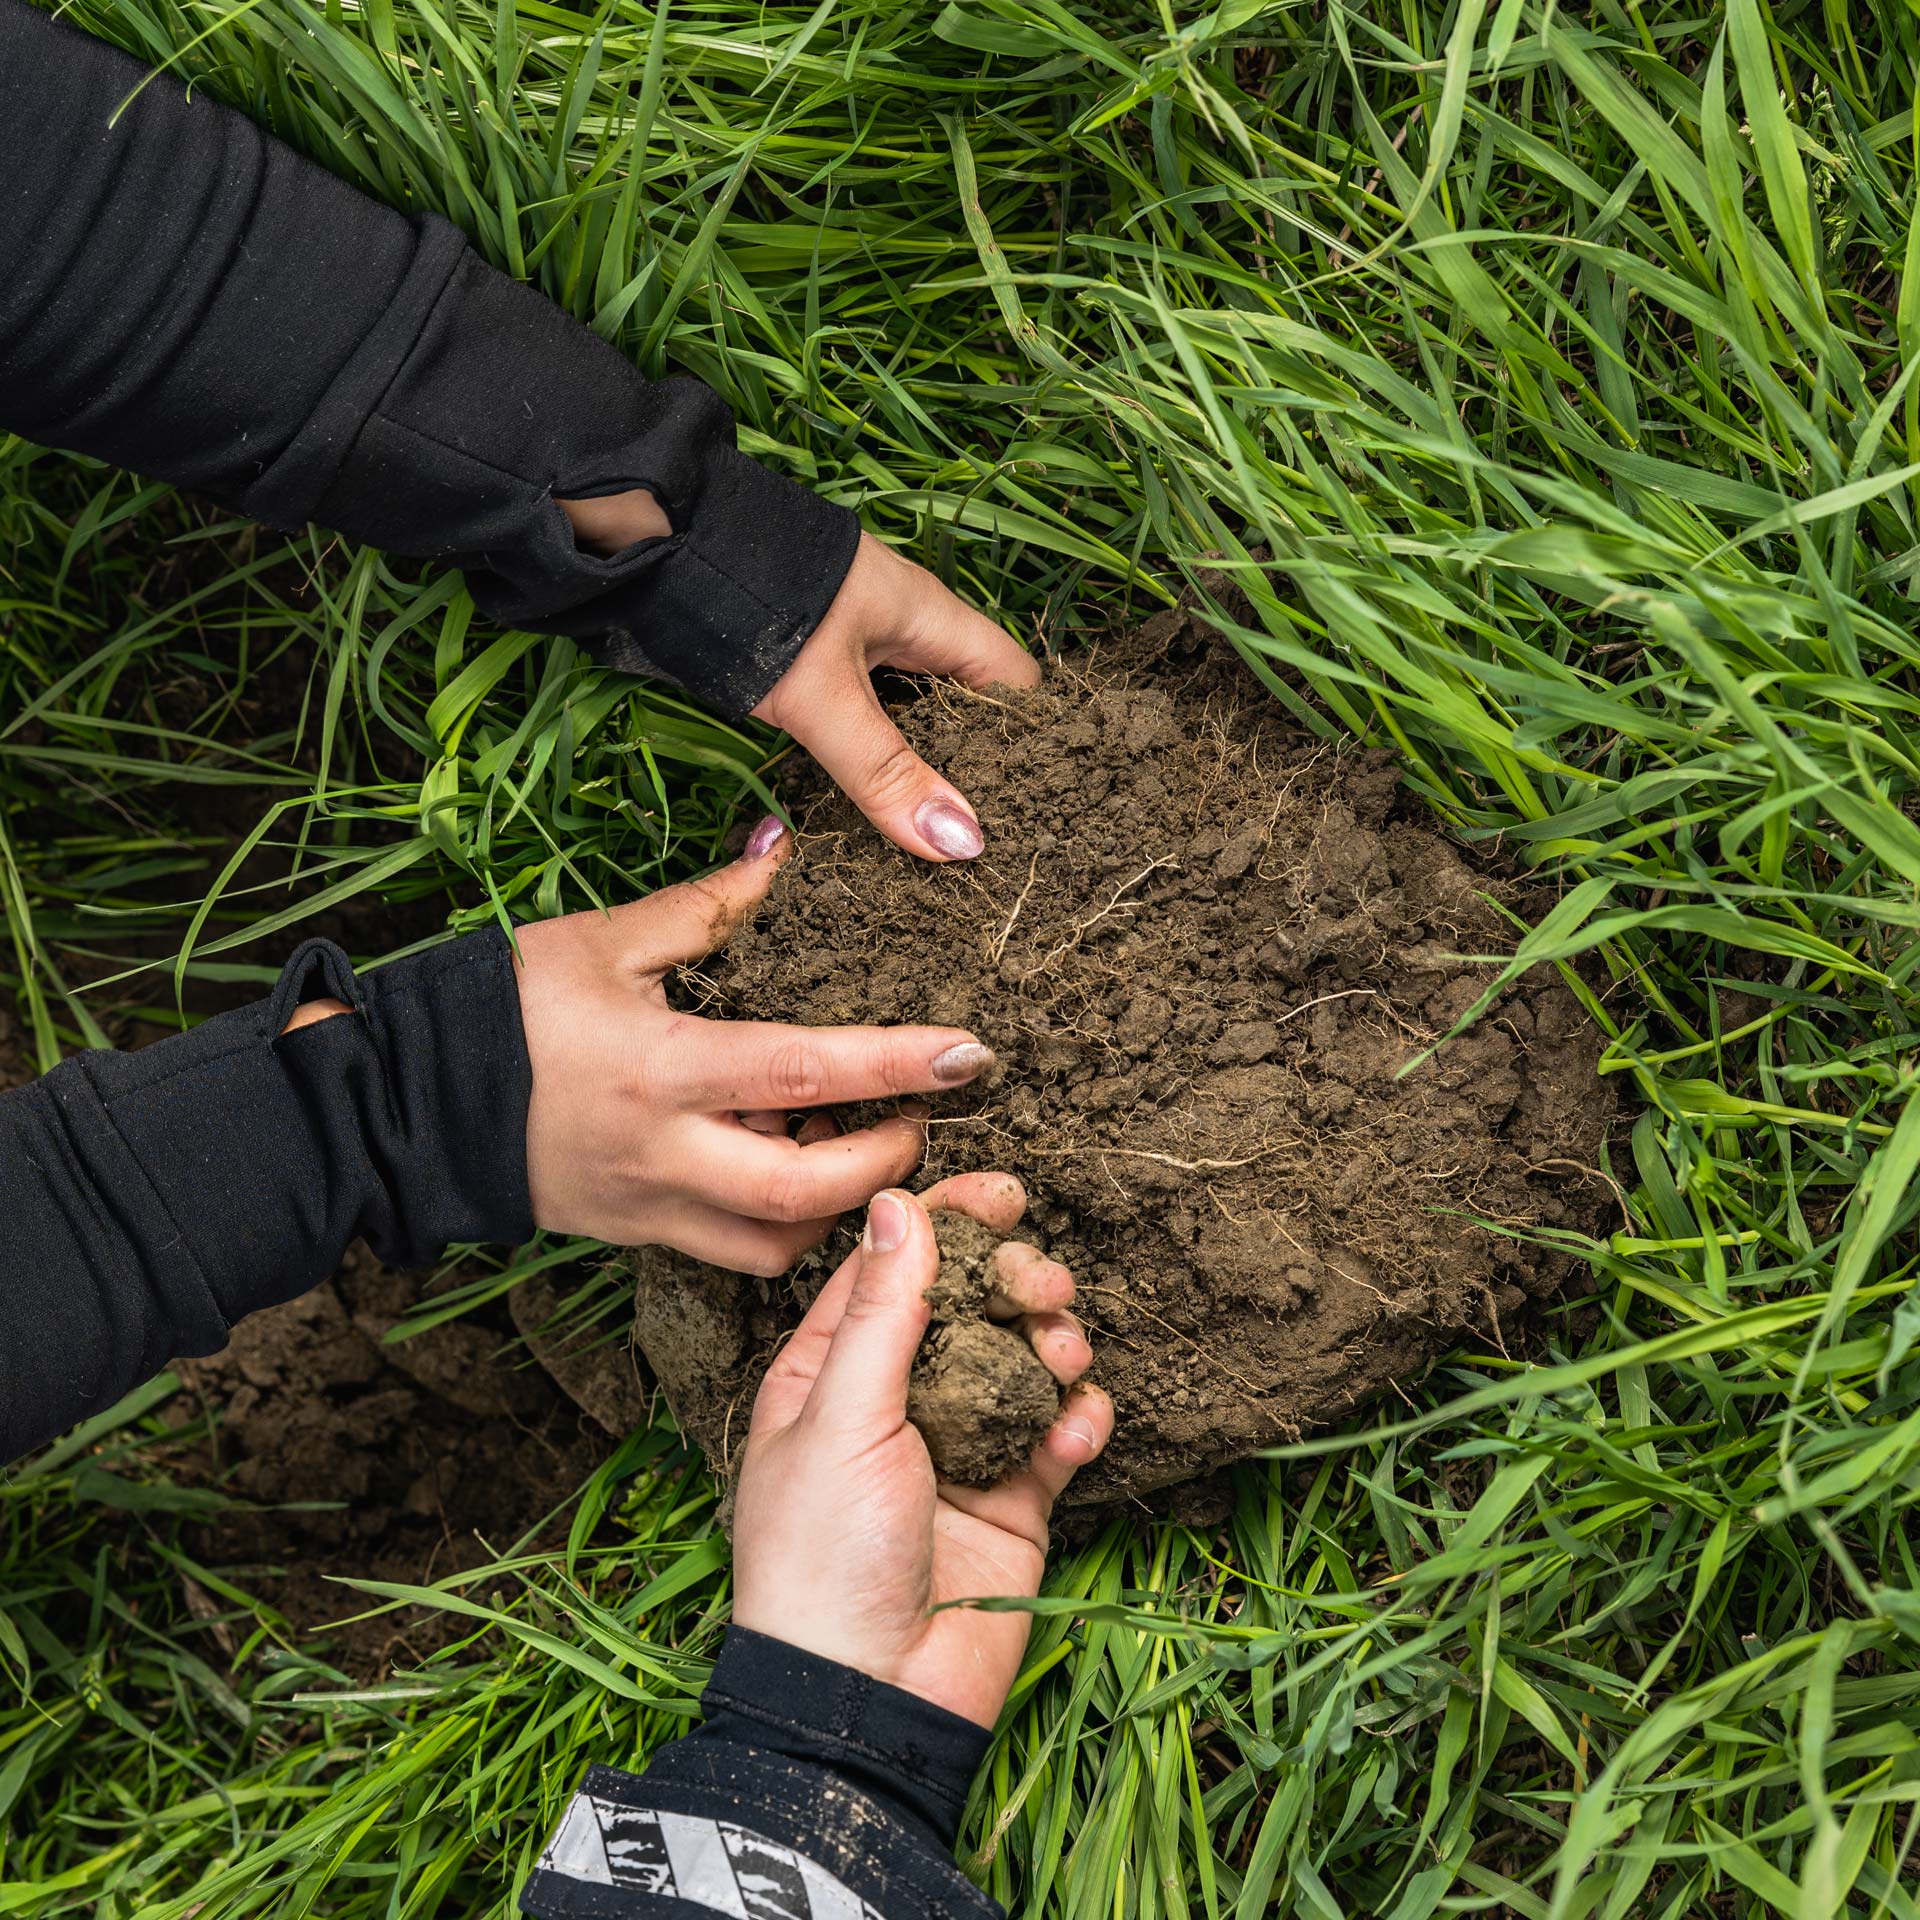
<point x="1561" y="363"/>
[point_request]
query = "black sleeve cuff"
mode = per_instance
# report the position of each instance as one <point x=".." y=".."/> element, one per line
<point x="183" y="295"/>
<point x="827" y="1792"/>
<point x="504" y="403"/>
<point x="256" y="1154"/>
<point x="263" y="1153"/>
<point x="154" y="1198"/>
<point x="892" y="1744"/>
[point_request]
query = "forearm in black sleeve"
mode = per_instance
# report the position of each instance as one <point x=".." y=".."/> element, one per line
<point x="183" y="295"/>
<point x="809" y="1792"/>
<point x="152" y="1199"/>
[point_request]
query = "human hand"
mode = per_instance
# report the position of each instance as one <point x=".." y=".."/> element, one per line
<point x="844" y="1542"/>
<point x="891" y="613"/>
<point x="654" y="1127"/>
<point x="888" y="613"/>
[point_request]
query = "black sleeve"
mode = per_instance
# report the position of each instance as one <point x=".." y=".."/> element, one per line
<point x="151" y="1199"/>
<point x="809" y="1792"/>
<point x="183" y="295"/>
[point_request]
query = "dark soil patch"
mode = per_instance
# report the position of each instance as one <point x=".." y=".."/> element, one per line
<point x="357" y="1459"/>
<point x="16" y="1069"/>
<point x="1204" y="947"/>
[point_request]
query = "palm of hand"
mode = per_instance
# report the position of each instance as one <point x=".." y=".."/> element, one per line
<point x="924" y="1553"/>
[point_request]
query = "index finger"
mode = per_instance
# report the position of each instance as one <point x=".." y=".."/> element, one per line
<point x="742" y="1065"/>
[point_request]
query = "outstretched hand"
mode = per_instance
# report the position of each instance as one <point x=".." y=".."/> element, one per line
<point x="654" y="1127"/>
<point x="844" y="1541"/>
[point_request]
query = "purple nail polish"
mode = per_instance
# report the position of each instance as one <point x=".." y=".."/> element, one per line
<point x="764" y="838"/>
<point x="954" y="1068"/>
<point x="949" y="829"/>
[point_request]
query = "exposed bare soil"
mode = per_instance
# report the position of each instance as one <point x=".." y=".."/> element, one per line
<point x="1209" y="951"/>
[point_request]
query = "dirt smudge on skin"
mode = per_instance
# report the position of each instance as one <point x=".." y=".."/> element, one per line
<point x="1208" y="950"/>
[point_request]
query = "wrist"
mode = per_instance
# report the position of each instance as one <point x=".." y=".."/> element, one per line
<point x="611" y="523"/>
<point x="894" y="1743"/>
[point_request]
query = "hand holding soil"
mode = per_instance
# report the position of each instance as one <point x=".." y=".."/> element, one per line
<point x="1216" y="960"/>
<point x="649" y="1125"/>
<point x="845" y="1540"/>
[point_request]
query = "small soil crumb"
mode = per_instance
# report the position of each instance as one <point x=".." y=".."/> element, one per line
<point x="1216" y="958"/>
<point x="981" y="1397"/>
<point x="967" y="1250"/>
<point x="982" y="1401"/>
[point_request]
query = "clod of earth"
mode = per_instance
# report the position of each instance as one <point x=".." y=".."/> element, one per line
<point x="980" y="1396"/>
<point x="1209" y="951"/>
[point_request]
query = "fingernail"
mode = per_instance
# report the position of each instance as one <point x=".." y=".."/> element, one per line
<point x="954" y="1068"/>
<point x="764" y="838"/>
<point x="949" y="829"/>
<point x="886" y="1223"/>
<point x="1081" y="1429"/>
<point x="915" y="1110"/>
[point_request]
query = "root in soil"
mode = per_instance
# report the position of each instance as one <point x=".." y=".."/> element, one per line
<point x="1206" y="949"/>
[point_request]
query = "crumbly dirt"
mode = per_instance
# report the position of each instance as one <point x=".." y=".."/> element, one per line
<point x="981" y="1400"/>
<point x="1209" y="951"/>
<point x="356" y="1459"/>
<point x="980" y="1396"/>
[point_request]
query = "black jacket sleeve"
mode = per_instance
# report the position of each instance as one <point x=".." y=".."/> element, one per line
<point x="183" y="295"/>
<point x="809" y="1792"/>
<point x="151" y="1199"/>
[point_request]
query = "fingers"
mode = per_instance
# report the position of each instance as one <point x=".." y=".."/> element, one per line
<point x="1079" y="1434"/>
<point x="996" y="1200"/>
<point x="679" y="925"/>
<point x="1060" y="1342"/>
<point x="1024" y="1504"/>
<point x="1026" y="1281"/>
<point x="748" y="1065"/>
<point x="953" y="639"/>
<point x="725" y="1239"/>
<point x="789" y="1379"/>
<point x="843" y="725"/>
<point x="862" y="1382"/>
<point x="769" y="1177"/>
<point x="816" y="1126"/>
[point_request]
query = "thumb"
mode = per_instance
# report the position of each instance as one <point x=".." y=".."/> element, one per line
<point x="679" y="925"/>
<point x="868" y="758"/>
<point x="862" y="1383"/>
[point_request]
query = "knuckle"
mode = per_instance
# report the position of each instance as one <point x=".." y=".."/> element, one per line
<point x="893" y="772"/>
<point x="871" y="1298"/>
<point x="788" y="1194"/>
<point x="796" y="1074"/>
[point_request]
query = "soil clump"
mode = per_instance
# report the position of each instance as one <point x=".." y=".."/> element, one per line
<point x="1208" y="950"/>
<point x="981" y="1397"/>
